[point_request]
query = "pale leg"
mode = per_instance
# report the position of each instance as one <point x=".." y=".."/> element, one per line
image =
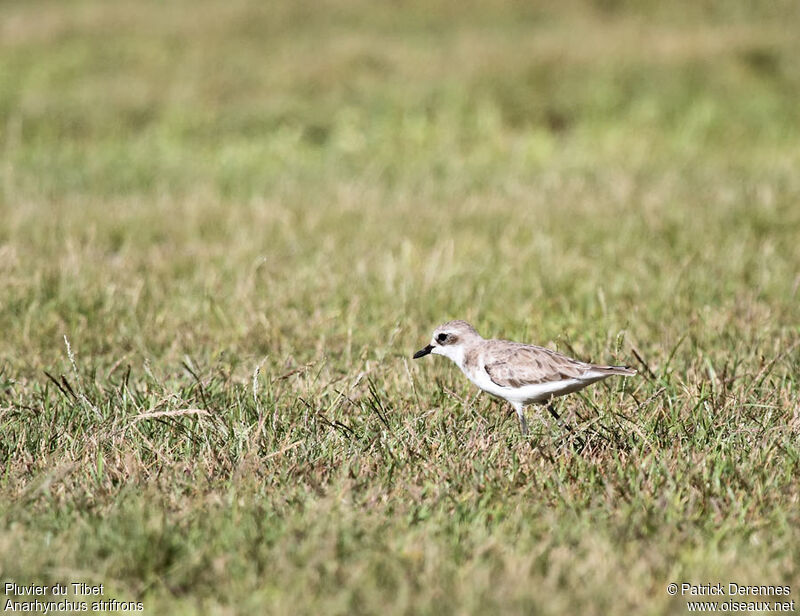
<point x="523" y="424"/>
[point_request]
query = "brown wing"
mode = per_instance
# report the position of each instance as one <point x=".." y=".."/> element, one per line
<point x="517" y="365"/>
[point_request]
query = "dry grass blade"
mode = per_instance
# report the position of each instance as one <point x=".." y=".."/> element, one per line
<point x="171" y="413"/>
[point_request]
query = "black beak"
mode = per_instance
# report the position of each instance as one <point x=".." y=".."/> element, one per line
<point x="423" y="352"/>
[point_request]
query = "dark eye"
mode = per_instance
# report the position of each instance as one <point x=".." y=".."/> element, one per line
<point x="441" y="337"/>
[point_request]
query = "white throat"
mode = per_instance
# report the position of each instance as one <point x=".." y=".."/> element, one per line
<point x="454" y="352"/>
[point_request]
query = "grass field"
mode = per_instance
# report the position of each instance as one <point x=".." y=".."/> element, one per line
<point x="225" y="228"/>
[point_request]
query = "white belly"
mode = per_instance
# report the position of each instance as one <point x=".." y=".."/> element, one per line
<point x="528" y="394"/>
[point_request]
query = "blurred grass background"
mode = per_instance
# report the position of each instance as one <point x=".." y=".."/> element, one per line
<point x="245" y="217"/>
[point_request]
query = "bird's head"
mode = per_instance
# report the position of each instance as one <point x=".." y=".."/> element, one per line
<point x="449" y="340"/>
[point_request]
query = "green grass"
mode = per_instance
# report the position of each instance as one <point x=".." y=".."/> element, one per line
<point x="225" y="227"/>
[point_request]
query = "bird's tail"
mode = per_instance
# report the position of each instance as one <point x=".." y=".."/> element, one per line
<point x="611" y="370"/>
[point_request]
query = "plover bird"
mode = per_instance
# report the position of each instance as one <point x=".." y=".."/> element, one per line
<point x="519" y="373"/>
